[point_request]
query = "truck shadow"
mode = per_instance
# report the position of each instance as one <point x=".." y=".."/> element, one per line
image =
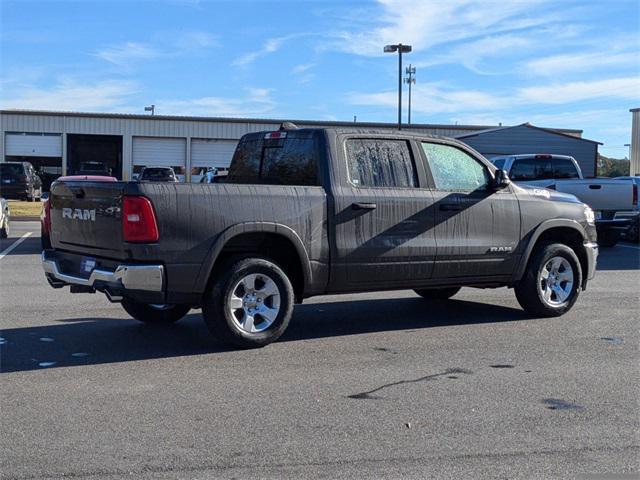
<point x="620" y="257"/>
<point x="94" y="341"/>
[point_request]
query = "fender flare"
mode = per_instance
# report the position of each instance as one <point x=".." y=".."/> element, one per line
<point x="252" y="227"/>
<point x="540" y="229"/>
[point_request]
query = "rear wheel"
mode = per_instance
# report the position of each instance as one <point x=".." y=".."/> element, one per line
<point x="551" y="284"/>
<point x="250" y="304"/>
<point x="4" y="228"/>
<point x="437" y="293"/>
<point x="155" y="314"/>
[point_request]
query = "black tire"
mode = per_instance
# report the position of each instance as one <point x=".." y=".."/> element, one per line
<point x="45" y="241"/>
<point x="155" y="314"/>
<point x="224" y="324"/>
<point x="437" y="293"/>
<point x="529" y="289"/>
<point x="4" y="229"/>
<point x="633" y="232"/>
<point x="608" y="238"/>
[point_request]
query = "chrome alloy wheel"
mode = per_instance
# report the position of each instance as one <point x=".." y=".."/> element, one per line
<point x="160" y="306"/>
<point x="254" y="302"/>
<point x="555" y="281"/>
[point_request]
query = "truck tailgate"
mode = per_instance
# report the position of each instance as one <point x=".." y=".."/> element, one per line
<point x="86" y="217"/>
<point x="600" y="194"/>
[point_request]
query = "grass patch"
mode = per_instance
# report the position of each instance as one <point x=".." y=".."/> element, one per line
<point x="25" y="209"/>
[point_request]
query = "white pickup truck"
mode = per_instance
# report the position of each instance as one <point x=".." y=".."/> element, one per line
<point x="562" y="173"/>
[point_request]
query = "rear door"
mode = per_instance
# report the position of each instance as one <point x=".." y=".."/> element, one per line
<point x="383" y="214"/>
<point x="477" y="228"/>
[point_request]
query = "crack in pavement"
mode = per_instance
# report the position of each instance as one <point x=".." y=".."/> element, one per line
<point x="367" y="395"/>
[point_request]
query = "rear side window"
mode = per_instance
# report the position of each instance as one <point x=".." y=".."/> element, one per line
<point x="454" y="169"/>
<point x="564" y="168"/>
<point x="283" y="161"/>
<point x="531" y="169"/>
<point x="11" y="169"/>
<point x="380" y="163"/>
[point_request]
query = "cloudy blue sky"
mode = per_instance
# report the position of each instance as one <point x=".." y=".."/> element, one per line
<point x="559" y="63"/>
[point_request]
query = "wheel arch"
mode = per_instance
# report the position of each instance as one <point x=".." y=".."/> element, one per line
<point x="568" y="232"/>
<point x="260" y="237"/>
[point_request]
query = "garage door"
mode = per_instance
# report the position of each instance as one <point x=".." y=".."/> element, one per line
<point x="33" y="145"/>
<point x="159" y="152"/>
<point x="210" y="153"/>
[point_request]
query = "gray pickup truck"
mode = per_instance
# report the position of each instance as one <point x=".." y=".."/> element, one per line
<point x="307" y="212"/>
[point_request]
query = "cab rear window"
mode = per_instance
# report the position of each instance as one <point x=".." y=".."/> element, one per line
<point x="280" y="161"/>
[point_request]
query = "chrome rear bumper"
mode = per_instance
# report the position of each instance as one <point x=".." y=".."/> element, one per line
<point x="145" y="278"/>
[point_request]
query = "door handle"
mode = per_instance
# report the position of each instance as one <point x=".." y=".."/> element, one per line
<point x="450" y="206"/>
<point x="364" y="206"/>
<point x="595" y="187"/>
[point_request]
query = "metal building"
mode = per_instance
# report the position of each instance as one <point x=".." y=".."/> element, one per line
<point x="59" y="142"/>
<point x="635" y="142"/>
<point x="527" y="138"/>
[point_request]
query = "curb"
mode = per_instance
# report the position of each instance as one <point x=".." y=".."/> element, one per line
<point x="24" y="218"/>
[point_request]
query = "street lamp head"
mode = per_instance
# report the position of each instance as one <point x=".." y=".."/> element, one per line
<point x="398" y="47"/>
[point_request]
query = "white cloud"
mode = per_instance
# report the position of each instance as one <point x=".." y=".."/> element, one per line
<point x="130" y="53"/>
<point x="270" y="46"/>
<point x="125" y="54"/>
<point x="433" y="99"/>
<point x="196" y="40"/>
<point x="255" y="103"/>
<point x="560" y="93"/>
<point x="424" y="24"/>
<point x="303" y="67"/>
<point x="489" y="108"/>
<point x="473" y="53"/>
<point x="68" y="94"/>
<point x="579" y="62"/>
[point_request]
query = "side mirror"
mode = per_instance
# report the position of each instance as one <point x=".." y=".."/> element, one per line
<point x="501" y="179"/>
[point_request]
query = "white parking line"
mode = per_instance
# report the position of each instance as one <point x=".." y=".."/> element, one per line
<point x="635" y="247"/>
<point x="8" y="250"/>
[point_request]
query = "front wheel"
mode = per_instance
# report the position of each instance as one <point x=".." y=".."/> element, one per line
<point x="437" y="293"/>
<point x="249" y="304"/>
<point x="155" y="314"/>
<point x="551" y="284"/>
<point x="608" y="238"/>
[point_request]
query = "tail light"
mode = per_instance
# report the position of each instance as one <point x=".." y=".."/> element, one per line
<point x="139" y="220"/>
<point x="635" y="194"/>
<point x="22" y="178"/>
<point x="45" y="218"/>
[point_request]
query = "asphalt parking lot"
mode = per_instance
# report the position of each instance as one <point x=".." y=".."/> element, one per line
<point x="382" y="385"/>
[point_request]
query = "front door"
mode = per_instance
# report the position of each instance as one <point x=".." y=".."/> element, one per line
<point x="476" y="227"/>
<point x="383" y="216"/>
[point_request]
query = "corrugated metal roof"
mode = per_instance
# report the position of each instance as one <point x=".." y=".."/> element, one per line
<point x="554" y="131"/>
<point x="319" y="123"/>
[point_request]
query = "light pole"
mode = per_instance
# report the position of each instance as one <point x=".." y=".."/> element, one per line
<point x="411" y="79"/>
<point x="628" y="145"/>
<point x="150" y="108"/>
<point x="400" y="48"/>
